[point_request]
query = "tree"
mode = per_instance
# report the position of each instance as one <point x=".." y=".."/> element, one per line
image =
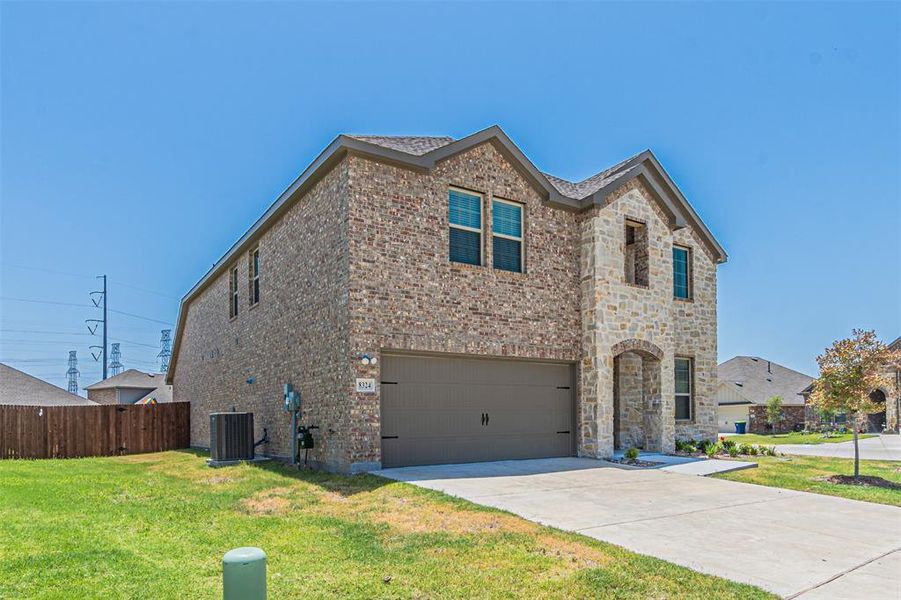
<point x="774" y="412"/>
<point x="850" y="370"/>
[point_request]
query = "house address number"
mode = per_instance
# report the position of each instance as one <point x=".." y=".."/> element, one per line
<point x="365" y="386"/>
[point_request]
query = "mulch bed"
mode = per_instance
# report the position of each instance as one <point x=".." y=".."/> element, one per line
<point x="636" y="463"/>
<point x="864" y="480"/>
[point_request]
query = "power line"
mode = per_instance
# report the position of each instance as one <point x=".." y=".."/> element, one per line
<point x="82" y="275"/>
<point x="118" y="312"/>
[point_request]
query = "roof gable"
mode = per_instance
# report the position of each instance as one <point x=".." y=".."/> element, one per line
<point x="760" y="379"/>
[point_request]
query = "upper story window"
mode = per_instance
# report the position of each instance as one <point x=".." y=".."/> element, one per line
<point x="253" y="269"/>
<point x="233" y="293"/>
<point x="506" y="232"/>
<point x="465" y="219"/>
<point x="684" y="376"/>
<point x="681" y="273"/>
<point x="636" y="253"/>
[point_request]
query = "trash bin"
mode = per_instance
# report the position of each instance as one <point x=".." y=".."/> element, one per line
<point x="244" y="574"/>
<point x="740" y="426"/>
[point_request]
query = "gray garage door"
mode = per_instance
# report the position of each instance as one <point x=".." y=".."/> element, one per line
<point x="452" y="410"/>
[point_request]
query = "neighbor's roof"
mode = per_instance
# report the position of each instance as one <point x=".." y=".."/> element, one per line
<point x="896" y="345"/>
<point x="425" y="152"/>
<point x="132" y="378"/>
<point x="758" y="379"/>
<point x="160" y="395"/>
<point x="18" y="388"/>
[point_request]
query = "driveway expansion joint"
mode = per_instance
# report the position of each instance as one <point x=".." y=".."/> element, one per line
<point x="842" y="574"/>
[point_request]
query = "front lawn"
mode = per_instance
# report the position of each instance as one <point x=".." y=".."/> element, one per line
<point x="808" y="474"/>
<point x="157" y="525"/>
<point x="794" y="438"/>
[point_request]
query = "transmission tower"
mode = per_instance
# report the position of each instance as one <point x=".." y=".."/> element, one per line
<point x="165" y="352"/>
<point x="73" y="373"/>
<point x="115" y="364"/>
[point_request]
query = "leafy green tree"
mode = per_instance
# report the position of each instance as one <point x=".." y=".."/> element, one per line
<point x="774" y="412"/>
<point x="850" y="370"/>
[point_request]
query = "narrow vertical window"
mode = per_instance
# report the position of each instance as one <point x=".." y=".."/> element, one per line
<point x="681" y="273"/>
<point x="636" y="253"/>
<point x="254" y="272"/>
<point x="233" y="293"/>
<point x="465" y="219"/>
<point x="683" y="375"/>
<point x="506" y="232"/>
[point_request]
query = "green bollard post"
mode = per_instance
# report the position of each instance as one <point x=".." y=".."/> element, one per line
<point x="244" y="574"/>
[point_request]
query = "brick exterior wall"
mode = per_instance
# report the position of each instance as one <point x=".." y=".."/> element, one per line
<point x="103" y="396"/>
<point x="791" y="416"/>
<point x="360" y="266"/>
<point x="297" y="333"/>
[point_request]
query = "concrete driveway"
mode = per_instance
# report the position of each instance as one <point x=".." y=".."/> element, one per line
<point x="795" y="544"/>
<point x="881" y="447"/>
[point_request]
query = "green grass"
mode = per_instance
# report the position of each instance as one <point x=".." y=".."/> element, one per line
<point x="794" y="438"/>
<point x="805" y="473"/>
<point x="157" y="525"/>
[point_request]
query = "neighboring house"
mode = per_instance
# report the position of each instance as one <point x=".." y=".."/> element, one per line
<point x="131" y="387"/>
<point x="745" y="385"/>
<point x="21" y="389"/>
<point x="889" y="396"/>
<point x="510" y="313"/>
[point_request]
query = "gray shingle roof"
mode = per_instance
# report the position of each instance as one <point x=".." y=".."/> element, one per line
<point x="411" y="144"/>
<point x="132" y="378"/>
<point x="419" y="145"/>
<point x="18" y="388"/>
<point x="758" y="379"/>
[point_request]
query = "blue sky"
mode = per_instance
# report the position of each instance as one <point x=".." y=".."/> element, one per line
<point x="142" y="139"/>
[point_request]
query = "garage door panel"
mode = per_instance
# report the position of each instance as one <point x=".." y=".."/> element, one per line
<point x="434" y="410"/>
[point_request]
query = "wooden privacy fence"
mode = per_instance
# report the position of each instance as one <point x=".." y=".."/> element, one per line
<point x="104" y="430"/>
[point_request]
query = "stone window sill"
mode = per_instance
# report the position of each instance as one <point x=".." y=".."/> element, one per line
<point x="638" y="286"/>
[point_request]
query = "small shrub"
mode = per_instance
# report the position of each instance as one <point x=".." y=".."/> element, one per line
<point x="681" y="446"/>
<point x="702" y="445"/>
<point x="733" y="450"/>
<point x="691" y="448"/>
<point x="752" y="451"/>
<point x="728" y="444"/>
<point x="712" y="450"/>
<point x="747" y="449"/>
<point x="631" y="454"/>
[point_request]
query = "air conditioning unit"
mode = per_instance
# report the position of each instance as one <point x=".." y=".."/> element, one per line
<point x="231" y="437"/>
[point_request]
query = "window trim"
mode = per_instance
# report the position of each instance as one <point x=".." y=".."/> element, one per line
<point x="691" y="388"/>
<point x="689" y="274"/>
<point x="480" y="230"/>
<point x="253" y="272"/>
<point x="522" y="233"/>
<point x="233" y="301"/>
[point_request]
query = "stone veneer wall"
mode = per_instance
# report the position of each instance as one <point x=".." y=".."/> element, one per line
<point x="614" y="311"/>
<point x="406" y="295"/>
<point x="296" y="334"/>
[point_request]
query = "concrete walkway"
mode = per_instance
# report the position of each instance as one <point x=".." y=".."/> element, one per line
<point x="882" y="447"/>
<point x="792" y="543"/>
<point x="690" y="465"/>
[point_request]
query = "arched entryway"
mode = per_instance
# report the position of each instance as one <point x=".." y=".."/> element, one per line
<point x="637" y="406"/>
<point x="876" y="421"/>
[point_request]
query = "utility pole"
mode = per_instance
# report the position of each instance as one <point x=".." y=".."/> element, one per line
<point x="97" y="322"/>
<point x="165" y="352"/>
<point x="73" y="373"/>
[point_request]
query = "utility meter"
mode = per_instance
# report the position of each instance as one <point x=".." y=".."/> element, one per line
<point x="292" y="399"/>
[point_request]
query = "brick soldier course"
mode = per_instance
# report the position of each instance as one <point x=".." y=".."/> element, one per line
<point x="354" y="260"/>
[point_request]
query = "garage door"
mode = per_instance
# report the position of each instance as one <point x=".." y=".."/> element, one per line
<point x="452" y="410"/>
